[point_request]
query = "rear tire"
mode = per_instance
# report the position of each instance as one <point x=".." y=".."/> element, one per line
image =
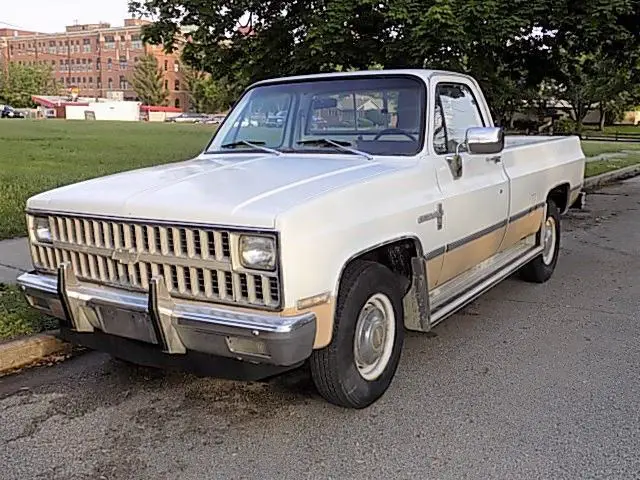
<point x="541" y="268"/>
<point x="357" y="367"/>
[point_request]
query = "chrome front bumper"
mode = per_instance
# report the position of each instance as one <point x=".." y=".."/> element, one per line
<point x="172" y="326"/>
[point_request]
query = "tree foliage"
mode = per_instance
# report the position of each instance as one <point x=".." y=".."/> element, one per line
<point x="148" y="82"/>
<point x="207" y="94"/>
<point x="511" y="46"/>
<point x="18" y="83"/>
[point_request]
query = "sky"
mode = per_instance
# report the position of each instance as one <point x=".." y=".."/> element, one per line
<point x="53" y="15"/>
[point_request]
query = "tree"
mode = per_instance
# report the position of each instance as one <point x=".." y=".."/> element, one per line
<point x="148" y="82"/>
<point x="510" y="46"/>
<point x="18" y="83"/>
<point x="595" y="50"/>
<point x="206" y="94"/>
<point x="484" y="38"/>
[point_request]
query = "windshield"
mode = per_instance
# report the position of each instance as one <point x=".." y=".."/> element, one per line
<point x="378" y="115"/>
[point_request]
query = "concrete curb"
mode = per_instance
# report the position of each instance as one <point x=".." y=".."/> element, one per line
<point x="19" y="353"/>
<point x="592" y="183"/>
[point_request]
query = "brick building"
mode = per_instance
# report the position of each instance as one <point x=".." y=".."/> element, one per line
<point x="96" y="58"/>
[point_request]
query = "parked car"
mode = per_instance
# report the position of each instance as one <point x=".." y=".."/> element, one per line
<point x="263" y="253"/>
<point x="188" y="118"/>
<point x="10" y="112"/>
<point x="214" y="119"/>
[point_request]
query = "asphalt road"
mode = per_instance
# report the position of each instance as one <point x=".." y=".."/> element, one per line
<point x="530" y="381"/>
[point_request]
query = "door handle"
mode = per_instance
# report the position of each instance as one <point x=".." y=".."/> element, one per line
<point x="494" y="159"/>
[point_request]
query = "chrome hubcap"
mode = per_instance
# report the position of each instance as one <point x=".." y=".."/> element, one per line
<point x="549" y="241"/>
<point x="374" y="336"/>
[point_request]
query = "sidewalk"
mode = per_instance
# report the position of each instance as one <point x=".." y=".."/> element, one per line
<point x="14" y="259"/>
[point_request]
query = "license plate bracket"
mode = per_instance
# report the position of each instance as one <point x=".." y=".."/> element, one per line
<point x="126" y="323"/>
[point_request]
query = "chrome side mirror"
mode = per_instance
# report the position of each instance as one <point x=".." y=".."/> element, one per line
<point x="484" y="140"/>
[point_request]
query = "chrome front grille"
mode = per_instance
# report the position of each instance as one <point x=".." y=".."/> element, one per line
<point x="194" y="262"/>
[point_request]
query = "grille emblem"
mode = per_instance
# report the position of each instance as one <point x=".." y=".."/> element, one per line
<point x="128" y="256"/>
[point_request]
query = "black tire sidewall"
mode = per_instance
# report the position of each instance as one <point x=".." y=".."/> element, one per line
<point x="374" y="279"/>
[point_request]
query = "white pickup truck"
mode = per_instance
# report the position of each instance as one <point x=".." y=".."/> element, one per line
<point x="383" y="201"/>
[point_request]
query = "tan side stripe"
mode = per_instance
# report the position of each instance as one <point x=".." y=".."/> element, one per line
<point x="485" y="231"/>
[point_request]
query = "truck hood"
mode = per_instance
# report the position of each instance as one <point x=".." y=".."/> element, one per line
<point x="234" y="190"/>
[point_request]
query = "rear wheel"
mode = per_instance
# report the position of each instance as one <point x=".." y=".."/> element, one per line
<point x="540" y="269"/>
<point x="357" y="367"/>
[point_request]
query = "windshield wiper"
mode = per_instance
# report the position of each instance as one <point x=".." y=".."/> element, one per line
<point x="258" y="145"/>
<point x="341" y="144"/>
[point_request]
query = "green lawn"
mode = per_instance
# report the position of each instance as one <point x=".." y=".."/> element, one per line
<point x="596" y="168"/>
<point x="611" y="130"/>
<point x="591" y="149"/>
<point x="17" y="317"/>
<point x="37" y="155"/>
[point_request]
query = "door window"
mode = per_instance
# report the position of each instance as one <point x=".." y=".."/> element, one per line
<point x="456" y="110"/>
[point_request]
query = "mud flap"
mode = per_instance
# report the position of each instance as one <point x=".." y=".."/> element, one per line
<point x="416" y="301"/>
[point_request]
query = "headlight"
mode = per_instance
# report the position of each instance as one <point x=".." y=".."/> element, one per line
<point x="258" y="252"/>
<point x="41" y="229"/>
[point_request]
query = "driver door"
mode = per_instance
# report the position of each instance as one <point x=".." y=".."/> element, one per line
<point x="476" y="203"/>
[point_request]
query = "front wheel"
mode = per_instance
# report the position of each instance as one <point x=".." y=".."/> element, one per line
<point x="357" y="367"/>
<point x="540" y="269"/>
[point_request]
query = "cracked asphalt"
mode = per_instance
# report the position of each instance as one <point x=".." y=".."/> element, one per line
<point x="530" y="381"/>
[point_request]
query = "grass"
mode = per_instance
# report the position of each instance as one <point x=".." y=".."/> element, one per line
<point x="17" y="317"/>
<point x="611" y="130"/>
<point x="603" y="166"/>
<point x="38" y="155"/>
<point x="591" y="149"/>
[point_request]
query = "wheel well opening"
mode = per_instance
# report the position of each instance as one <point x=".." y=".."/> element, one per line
<point x="396" y="256"/>
<point x="560" y="196"/>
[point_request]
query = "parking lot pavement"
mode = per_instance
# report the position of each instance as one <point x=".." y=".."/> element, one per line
<point x="530" y="381"/>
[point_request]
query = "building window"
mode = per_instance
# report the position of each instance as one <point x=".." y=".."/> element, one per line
<point x="166" y="65"/>
<point x="135" y="59"/>
<point x="123" y="62"/>
<point x="110" y="83"/>
<point x="98" y="63"/>
<point x="109" y="64"/>
<point x="122" y="38"/>
<point x="90" y="79"/>
<point x="176" y="66"/>
<point x="136" y="42"/>
<point x="86" y="47"/>
<point x="166" y="84"/>
<point x="123" y="83"/>
<point x="84" y="79"/>
<point x="177" y="103"/>
<point x="176" y="85"/>
<point x="109" y="42"/>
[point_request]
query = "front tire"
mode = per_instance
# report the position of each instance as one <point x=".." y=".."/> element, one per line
<point x="541" y="268"/>
<point x="357" y="367"/>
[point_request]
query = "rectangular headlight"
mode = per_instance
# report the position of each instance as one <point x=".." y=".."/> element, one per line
<point x="41" y="230"/>
<point x="257" y="252"/>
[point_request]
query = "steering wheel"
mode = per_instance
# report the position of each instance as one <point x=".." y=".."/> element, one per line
<point x="390" y="131"/>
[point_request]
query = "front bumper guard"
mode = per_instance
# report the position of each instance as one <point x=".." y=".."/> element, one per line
<point x="172" y="326"/>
